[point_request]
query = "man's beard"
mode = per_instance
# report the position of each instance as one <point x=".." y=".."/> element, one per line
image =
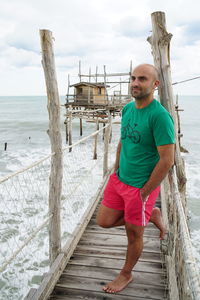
<point x="142" y="94"/>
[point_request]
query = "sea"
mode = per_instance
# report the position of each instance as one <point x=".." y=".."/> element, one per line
<point x="24" y="140"/>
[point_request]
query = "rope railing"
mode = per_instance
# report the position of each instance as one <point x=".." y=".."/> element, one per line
<point x="10" y="259"/>
<point x="182" y="270"/>
<point x="24" y="204"/>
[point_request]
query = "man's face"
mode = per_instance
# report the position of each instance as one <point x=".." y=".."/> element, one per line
<point x="143" y="82"/>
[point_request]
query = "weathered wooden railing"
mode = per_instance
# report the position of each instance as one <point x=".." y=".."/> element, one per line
<point x="183" y="275"/>
<point x="182" y="269"/>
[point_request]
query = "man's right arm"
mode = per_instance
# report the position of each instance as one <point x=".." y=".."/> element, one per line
<point x="116" y="166"/>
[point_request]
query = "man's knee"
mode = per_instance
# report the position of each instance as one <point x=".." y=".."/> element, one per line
<point x="103" y="223"/>
<point x="107" y="217"/>
<point x="134" y="232"/>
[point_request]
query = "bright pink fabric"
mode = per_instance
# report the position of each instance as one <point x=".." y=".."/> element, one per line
<point x="121" y="196"/>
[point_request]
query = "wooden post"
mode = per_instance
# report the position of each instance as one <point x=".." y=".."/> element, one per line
<point x="96" y="139"/>
<point x="106" y="146"/>
<point x="55" y="179"/>
<point x="106" y="95"/>
<point x="68" y="89"/>
<point x="120" y="88"/>
<point x="5" y="146"/>
<point x="129" y="85"/>
<point x="160" y="43"/>
<point x="79" y="70"/>
<point x="81" y="127"/>
<point x="66" y="129"/>
<point x="89" y="89"/>
<point x="103" y="132"/>
<point x="70" y="128"/>
<point x="96" y="73"/>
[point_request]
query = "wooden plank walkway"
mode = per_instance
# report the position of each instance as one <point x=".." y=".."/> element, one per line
<point x="98" y="258"/>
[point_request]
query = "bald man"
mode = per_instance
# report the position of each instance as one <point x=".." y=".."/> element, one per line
<point x="144" y="156"/>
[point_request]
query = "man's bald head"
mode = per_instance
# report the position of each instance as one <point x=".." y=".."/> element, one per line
<point x="150" y="68"/>
<point x="144" y="80"/>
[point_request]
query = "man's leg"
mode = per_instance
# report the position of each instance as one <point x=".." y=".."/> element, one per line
<point x="109" y="217"/>
<point x="156" y="219"/>
<point x="134" y="250"/>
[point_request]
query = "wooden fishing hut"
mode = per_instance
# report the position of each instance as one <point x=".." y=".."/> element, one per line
<point x="90" y="93"/>
<point x="94" y="100"/>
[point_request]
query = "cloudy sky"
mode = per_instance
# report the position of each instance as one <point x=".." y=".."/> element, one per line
<point x="97" y="32"/>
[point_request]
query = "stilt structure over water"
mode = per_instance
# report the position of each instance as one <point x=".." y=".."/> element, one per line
<point x="92" y="256"/>
<point x="92" y="100"/>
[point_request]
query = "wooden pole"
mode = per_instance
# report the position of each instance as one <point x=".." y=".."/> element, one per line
<point x="96" y="73"/>
<point x="106" y="146"/>
<point x="120" y="88"/>
<point x="66" y="129"/>
<point x="103" y="132"/>
<point x="89" y="96"/>
<point x="68" y="82"/>
<point x="55" y="179"/>
<point x="106" y="95"/>
<point x="129" y="85"/>
<point x="70" y="128"/>
<point x="96" y="139"/>
<point x="160" y="43"/>
<point x="81" y="127"/>
<point x="79" y="70"/>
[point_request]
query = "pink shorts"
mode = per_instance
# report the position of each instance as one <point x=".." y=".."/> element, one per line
<point x="121" y="196"/>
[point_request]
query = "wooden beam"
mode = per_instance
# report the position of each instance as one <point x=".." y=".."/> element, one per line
<point x="108" y="75"/>
<point x="106" y="145"/>
<point x="55" y="180"/>
<point x="160" y="44"/>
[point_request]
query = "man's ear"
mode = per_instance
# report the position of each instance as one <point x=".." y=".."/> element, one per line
<point x="156" y="83"/>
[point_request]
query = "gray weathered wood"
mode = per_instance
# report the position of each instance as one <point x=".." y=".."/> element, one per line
<point x="95" y="140"/>
<point x="55" y="180"/>
<point x="133" y="289"/>
<point x="106" y="145"/>
<point x="113" y="263"/>
<point x="70" y="128"/>
<point x="72" y="294"/>
<point x="154" y="279"/>
<point x="160" y="43"/>
<point x="95" y="251"/>
<point x="151" y="244"/>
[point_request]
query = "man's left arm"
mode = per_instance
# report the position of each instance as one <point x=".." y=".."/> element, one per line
<point x="166" y="161"/>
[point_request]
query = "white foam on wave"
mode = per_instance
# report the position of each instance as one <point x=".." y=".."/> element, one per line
<point x="193" y="180"/>
<point x="16" y="160"/>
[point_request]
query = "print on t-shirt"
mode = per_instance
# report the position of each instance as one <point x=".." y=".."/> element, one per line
<point x="129" y="132"/>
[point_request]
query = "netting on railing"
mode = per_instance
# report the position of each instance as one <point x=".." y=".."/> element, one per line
<point x="183" y="275"/>
<point x="24" y="208"/>
<point x="24" y="251"/>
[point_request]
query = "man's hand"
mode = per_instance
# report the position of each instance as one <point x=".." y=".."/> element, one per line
<point x="143" y="195"/>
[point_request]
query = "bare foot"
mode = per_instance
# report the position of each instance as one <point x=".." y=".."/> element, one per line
<point x="118" y="284"/>
<point x="156" y="219"/>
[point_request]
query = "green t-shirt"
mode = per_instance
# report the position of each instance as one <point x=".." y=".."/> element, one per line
<point x="142" y="130"/>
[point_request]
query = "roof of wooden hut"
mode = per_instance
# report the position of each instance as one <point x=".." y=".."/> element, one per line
<point x="92" y="84"/>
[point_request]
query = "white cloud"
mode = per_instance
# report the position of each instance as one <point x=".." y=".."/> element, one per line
<point x="106" y="32"/>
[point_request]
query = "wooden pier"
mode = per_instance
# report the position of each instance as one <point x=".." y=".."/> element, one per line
<point x="99" y="257"/>
<point x="94" y="256"/>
